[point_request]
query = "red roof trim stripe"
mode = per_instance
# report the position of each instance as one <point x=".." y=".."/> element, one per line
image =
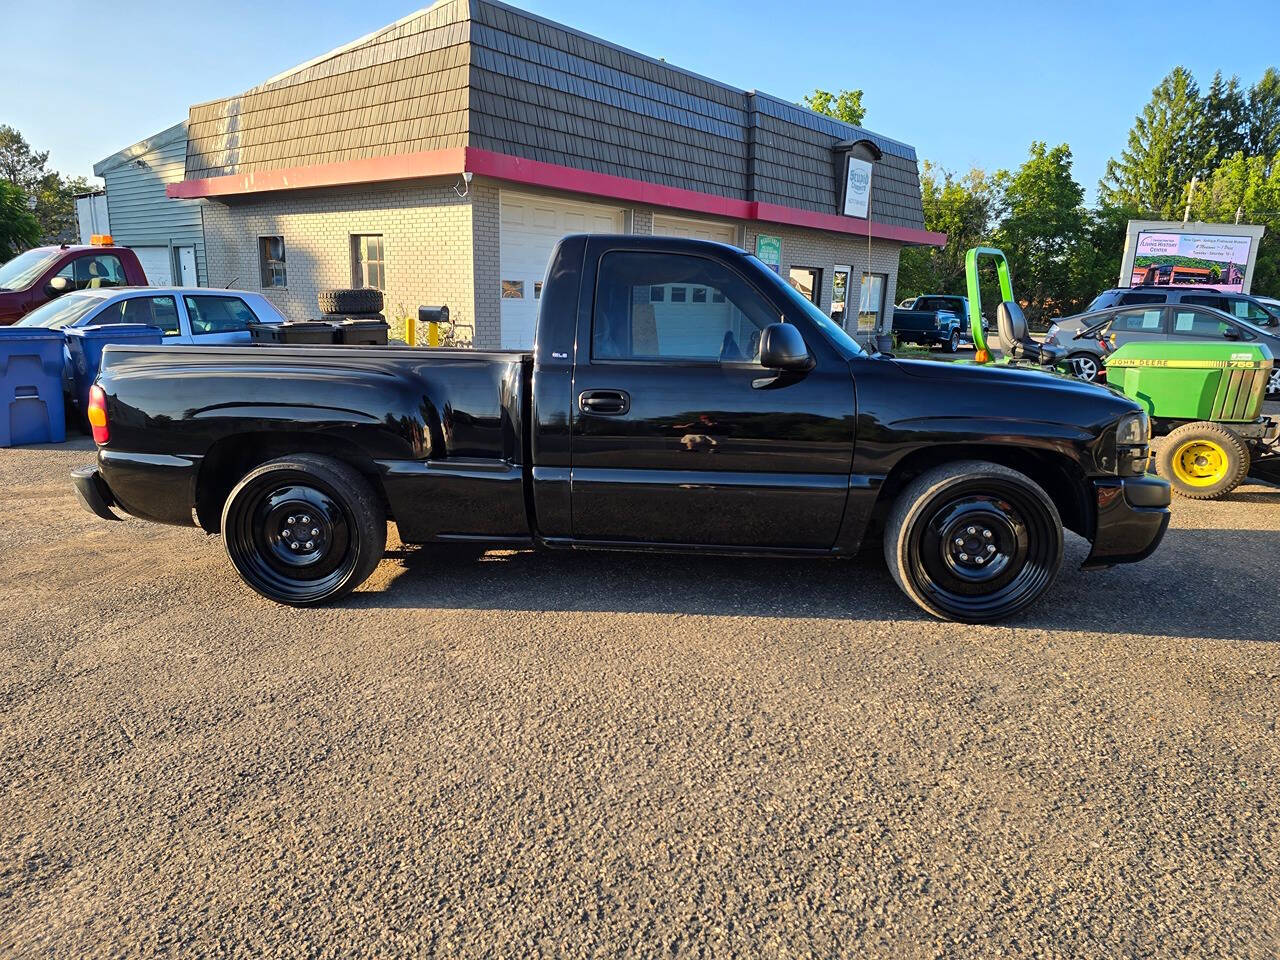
<point x="535" y="173"/>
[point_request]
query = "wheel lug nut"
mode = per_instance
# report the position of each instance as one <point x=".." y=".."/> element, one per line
<point x="991" y="548"/>
<point x="972" y="531"/>
<point x="310" y="544"/>
<point x="293" y="519"/>
<point x="315" y="531"/>
<point x="979" y="560"/>
<point x="306" y="519"/>
<point x="959" y="541"/>
<point x="964" y="556"/>
<point x="294" y="545"/>
<point x="986" y="534"/>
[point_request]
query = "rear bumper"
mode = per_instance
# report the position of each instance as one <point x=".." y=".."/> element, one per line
<point x="95" y="496"/>
<point x="1133" y="515"/>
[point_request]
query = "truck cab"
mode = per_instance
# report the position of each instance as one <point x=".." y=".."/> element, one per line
<point x="42" y="274"/>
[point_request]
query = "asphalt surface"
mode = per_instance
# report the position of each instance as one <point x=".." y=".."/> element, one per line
<point x="610" y="755"/>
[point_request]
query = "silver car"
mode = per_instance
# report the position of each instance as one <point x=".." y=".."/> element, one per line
<point x="1154" y="321"/>
<point x="190" y="315"/>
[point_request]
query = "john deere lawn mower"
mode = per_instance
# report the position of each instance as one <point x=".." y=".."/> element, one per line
<point x="1204" y="398"/>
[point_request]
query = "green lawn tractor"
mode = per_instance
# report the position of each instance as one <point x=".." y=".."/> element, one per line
<point x="1204" y="398"/>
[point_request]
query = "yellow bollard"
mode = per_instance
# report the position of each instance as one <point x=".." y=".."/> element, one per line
<point x="411" y="331"/>
<point x="433" y="334"/>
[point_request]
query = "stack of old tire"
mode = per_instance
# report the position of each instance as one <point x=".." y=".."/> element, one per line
<point x="350" y="317"/>
<point x="356" y="316"/>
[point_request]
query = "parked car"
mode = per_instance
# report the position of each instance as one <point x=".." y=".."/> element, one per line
<point x="934" y="320"/>
<point x="45" y="273"/>
<point x="191" y="315"/>
<point x="1179" y="322"/>
<point x="733" y="417"/>
<point x="1239" y="305"/>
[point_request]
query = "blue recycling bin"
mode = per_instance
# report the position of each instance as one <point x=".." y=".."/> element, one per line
<point x="31" y="386"/>
<point x="85" y="345"/>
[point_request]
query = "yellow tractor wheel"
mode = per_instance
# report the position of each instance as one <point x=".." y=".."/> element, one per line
<point x="1203" y="461"/>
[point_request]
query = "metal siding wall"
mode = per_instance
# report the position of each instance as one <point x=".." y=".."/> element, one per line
<point x="140" y="213"/>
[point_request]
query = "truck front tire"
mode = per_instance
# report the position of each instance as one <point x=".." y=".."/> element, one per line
<point x="973" y="541"/>
<point x="304" y="530"/>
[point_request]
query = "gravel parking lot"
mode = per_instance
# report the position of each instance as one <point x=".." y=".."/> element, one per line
<point x="614" y="755"/>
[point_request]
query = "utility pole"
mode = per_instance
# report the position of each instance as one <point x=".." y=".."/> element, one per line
<point x="1191" y="192"/>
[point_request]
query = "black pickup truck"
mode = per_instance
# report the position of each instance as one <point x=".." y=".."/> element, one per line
<point x="680" y="397"/>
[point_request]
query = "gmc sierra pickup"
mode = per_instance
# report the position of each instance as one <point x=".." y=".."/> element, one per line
<point x="680" y="396"/>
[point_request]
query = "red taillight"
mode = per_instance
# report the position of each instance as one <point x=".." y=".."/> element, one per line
<point x="98" y="415"/>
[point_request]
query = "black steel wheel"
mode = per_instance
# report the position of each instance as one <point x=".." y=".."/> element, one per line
<point x="304" y="530"/>
<point x="973" y="541"/>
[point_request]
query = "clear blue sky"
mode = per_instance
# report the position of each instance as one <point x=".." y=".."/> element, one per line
<point x="966" y="85"/>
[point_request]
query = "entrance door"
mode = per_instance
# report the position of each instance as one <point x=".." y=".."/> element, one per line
<point x="679" y="436"/>
<point x="531" y="227"/>
<point x="187" y="266"/>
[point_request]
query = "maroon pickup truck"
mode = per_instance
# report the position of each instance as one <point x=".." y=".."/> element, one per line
<point x="42" y="273"/>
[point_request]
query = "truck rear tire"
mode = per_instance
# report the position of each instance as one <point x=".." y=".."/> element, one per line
<point x="304" y="530"/>
<point x="1203" y="460"/>
<point x="953" y="343"/>
<point x="973" y="541"/>
<point x="350" y="302"/>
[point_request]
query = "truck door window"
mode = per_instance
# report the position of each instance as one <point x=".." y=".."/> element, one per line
<point x="218" y="315"/>
<point x="92" y="272"/>
<point x="661" y="306"/>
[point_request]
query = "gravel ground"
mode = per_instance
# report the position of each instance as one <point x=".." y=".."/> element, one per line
<point x="613" y="755"/>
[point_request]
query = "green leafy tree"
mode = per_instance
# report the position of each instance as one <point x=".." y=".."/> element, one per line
<point x="961" y="208"/>
<point x="27" y="169"/>
<point x="1262" y="133"/>
<point x="845" y="105"/>
<point x="1170" y="143"/>
<point x="1042" y="226"/>
<point x="18" y="227"/>
<point x="1225" y="114"/>
<point x="1248" y="187"/>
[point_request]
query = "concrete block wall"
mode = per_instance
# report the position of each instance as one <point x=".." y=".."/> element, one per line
<point x="427" y="236"/>
<point x="487" y="259"/>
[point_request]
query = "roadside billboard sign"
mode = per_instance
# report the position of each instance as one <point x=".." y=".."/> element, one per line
<point x="1216" y="256"/>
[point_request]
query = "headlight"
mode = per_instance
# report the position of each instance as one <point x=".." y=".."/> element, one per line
<point x="1133" y="444"/>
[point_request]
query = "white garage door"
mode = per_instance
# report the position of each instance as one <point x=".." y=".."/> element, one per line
<point x="531" y="226"/>
<point x="156" y="264"/>
<point x="695" y="229"/>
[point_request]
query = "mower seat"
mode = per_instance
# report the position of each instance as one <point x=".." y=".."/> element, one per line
<point x="1017" y="341"/>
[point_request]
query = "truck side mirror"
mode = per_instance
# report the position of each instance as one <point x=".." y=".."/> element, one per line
<point x="782" y="348"/>
<point x="57" y="287"/>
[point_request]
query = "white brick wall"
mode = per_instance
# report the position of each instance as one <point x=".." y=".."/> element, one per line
<point x="426" y="230"/>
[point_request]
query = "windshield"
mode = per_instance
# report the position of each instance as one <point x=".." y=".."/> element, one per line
<point x="63" y="312"/>
<point x="807" y="306"/>
<point x="19" y="272"/>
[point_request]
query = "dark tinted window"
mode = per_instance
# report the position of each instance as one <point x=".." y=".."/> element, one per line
<point x="218" y="315"/>
<point x="702" y="310"/>
<point x="159" y="312"/>
<point x="1248" y="310"/>
<point x="1127" y="298"/>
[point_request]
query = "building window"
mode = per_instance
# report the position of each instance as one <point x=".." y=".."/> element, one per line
<point x="368" y="261"/>
<point x="512" y="289"/>
<point x="808" y="281"/>
<point x="871" y="302"/>
<point x="271" y="261"/>
<point x="839" y="293"/>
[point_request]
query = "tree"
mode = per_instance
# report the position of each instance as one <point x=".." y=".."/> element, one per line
<point x="25" y="168"/>
<point x="18" y="228"/>
<point x="1043" y="225"/>
<point x="1262" y="135"/>
<point x="1248" y="186"/>
<point x="1225" y="113"/>
<point x="961" y="208"/>
<point x="1170" y="143"/>
<point x="845" y="105"/>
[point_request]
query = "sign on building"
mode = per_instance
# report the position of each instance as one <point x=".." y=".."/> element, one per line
<point x="769" y="251"/>
<point x="857" y="188"/>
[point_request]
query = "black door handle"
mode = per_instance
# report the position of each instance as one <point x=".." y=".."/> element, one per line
<point x="607" y="403"/>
